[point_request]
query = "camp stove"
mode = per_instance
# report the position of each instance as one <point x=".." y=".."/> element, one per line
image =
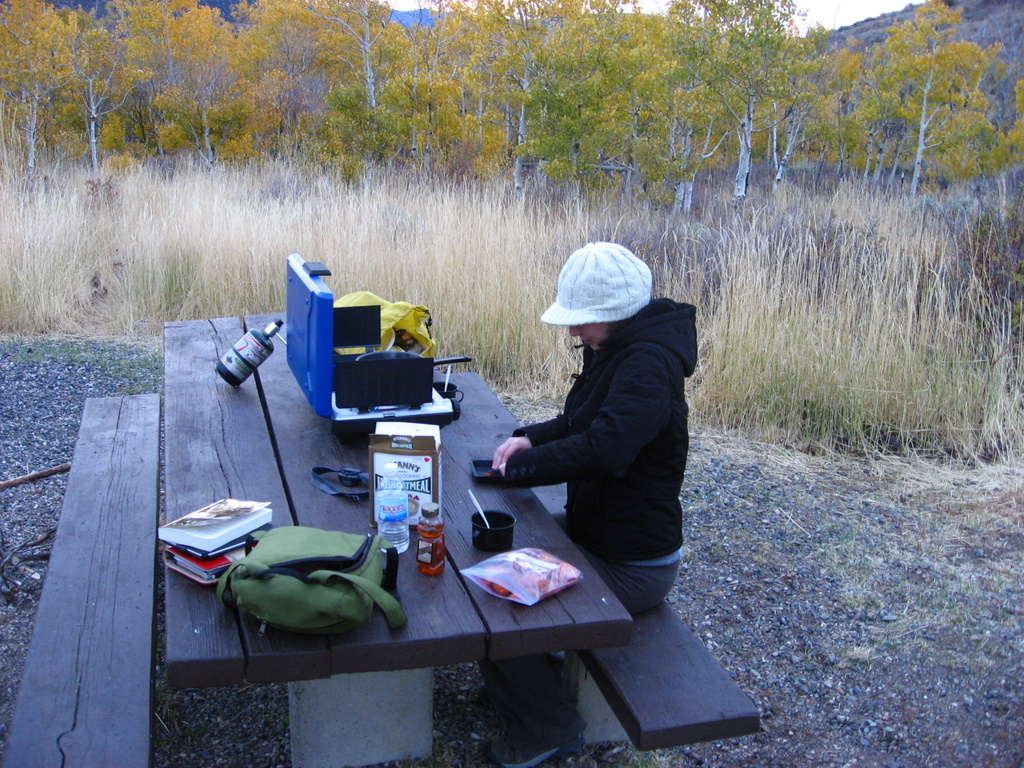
<point x="355" y="391"/>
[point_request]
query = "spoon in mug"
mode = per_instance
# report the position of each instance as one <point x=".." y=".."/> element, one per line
<point x="479" y="509"/>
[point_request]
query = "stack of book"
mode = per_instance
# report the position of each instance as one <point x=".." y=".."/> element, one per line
<point x="202" y="544"/>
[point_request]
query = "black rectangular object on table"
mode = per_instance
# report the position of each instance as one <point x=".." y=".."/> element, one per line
<point x="357" y="327"/>
<point x="483" y="472"/>
<point x="373" y="383"/>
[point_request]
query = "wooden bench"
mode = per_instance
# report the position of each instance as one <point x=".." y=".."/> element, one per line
<point x="664" y="689"/>
<point x="87" y="690"/>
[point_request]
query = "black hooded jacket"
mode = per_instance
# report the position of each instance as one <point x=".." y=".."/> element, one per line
<point x="621" y="442"/>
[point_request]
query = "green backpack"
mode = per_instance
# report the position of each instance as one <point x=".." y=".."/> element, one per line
<point x="310" y="580"/>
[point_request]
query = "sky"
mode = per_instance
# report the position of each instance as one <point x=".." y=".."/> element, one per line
<point x="831" y="14"/>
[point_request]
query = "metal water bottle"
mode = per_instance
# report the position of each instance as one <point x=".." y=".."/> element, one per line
<point x="245" y="356"/>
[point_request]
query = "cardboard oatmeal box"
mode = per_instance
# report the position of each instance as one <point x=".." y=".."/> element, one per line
<point x="416" y="449"/>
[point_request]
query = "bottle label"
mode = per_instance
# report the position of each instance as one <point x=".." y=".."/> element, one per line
<point x="247" y="354"/>
<point x="391" y="510"/>
<point x="236" y="365"/>
<point x="430" y="551"/>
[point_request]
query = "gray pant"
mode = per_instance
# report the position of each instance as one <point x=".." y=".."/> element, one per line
<point x="527" y="690"/>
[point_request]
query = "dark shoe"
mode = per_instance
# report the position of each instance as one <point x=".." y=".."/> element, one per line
<point x="502" y="753"/>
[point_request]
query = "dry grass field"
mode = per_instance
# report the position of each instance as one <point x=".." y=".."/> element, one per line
<point x="845" y="318"/>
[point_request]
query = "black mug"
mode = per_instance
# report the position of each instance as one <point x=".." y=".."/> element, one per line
<point x="496" y="534"/>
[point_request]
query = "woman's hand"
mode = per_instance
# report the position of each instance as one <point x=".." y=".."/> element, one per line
<point x="506" y="449"/>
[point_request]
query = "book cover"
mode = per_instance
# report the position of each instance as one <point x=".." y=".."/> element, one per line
<point x="197" y="577"/>
<point x="233" y="544"/>
<point x="217" y="524"/>
<point x="211" y="566"/>
<point x="202" y="570"/>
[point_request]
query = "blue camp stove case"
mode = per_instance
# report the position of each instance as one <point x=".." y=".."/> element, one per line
<point x="355" y="391"/>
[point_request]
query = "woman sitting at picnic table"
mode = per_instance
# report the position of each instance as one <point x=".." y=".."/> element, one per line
<point x="620" y="445"/>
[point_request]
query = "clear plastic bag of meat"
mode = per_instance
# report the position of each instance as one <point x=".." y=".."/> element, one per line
<point x="524" y="576"/>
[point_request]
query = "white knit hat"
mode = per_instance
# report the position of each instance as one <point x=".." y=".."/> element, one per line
<point x="600" y="283"/>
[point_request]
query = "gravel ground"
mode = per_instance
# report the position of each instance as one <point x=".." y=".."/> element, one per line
<point x="873" y="608"/>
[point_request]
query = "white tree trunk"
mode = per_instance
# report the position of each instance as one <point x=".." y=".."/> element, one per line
<point x="31" y="128"/>
<point x="370" y="78"/>
<point x="793" y="132"/>
<point x="922" y="136"/>
<point x="882" y="147"/>
<point x="683" y="200"/>
<point x="92" y="109"/>
<point x="206" y="150"/>
<point x="869" y="153"/>
<point x="517" y="174"/>
<point x="739" y="189"/>
<point x="896" y="161"/>
<point x="94" y="154"/>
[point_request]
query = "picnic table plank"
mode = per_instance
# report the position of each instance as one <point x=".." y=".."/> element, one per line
<point x="217" y="446"/>
<point x="585" y="618"/>
<point x="86" y="696"/>
<point x="444" y="626"/>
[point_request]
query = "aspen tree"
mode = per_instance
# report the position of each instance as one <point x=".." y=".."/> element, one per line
<point x="940" y="77"/>
<point x="689" y="124"/>
<point x="1009" y="147"/>
<point x="585" y="122"/>
<point x="205" y="101"/>
<point x="427" y="87"/>
<point x="743" y="51"/>
<point x="807" y="80"/>
<point x="359" y="38"/>
<point x="35" y="62"/>
<point x="843" y="130"/>
<point x="514" y="37"/>
<point x="280" y="57"/>
<point x="102" y="80"/>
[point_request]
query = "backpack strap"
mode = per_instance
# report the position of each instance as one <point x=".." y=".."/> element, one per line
<point x="388" y="603"/>
<point x="390" y="580"/>
<point x="347" y="476"/>
<point x="299" y="567"/>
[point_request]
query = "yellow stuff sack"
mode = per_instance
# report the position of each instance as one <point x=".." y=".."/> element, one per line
<point x="402" y="325"/>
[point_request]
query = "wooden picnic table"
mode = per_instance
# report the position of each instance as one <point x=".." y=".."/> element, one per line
<point x="259" y="442"/>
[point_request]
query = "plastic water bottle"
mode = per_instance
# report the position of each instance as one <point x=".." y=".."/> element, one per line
<point x="245" y="356"/>
<point x="391" y="502"/>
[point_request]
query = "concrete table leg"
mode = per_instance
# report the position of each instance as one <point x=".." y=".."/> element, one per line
<point x="361" y="719"/>
<point x="602" y="724"/>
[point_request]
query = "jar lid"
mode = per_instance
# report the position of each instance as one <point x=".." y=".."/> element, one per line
<point x="430" y="509"/>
